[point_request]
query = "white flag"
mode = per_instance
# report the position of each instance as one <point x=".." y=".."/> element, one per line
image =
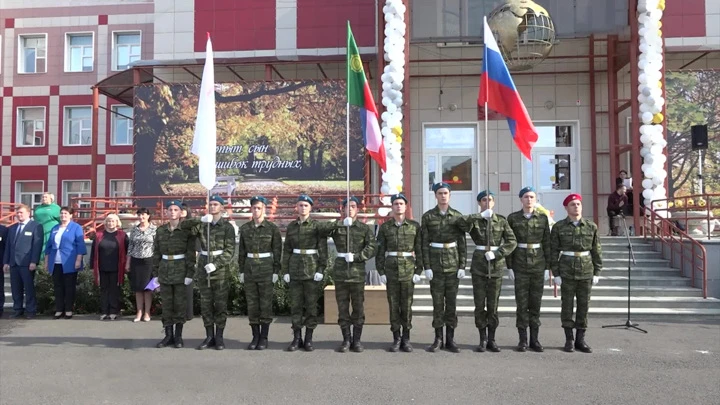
<point x="205" y="138"/>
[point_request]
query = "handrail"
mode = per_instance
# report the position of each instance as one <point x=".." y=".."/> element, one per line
<point x="676" y="240"/>
<point x="7" y="212"/>
<point x="678" y="208"/>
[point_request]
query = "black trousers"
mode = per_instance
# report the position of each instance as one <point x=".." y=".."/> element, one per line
<point x="65" y="287"/>
<point x="109" y="293"/>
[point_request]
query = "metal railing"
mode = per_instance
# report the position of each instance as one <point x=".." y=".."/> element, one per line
<point x="697" y="212"/>
<point x="7" y="212"/>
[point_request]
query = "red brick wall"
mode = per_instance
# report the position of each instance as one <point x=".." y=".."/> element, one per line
<point x="235" y="25"/>
<point x="685" y="18"/>
<point x="323" y="24"/>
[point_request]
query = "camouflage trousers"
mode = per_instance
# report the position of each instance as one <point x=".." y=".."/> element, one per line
<point x="486" y="293"/>
<point x="579" y="290"/>
<point x="304" y="295"/>
<point x="400" y="300"/>
<point x="213" y="302"/>
<point x="259" y="298"/>
<point x="528" y="298"/>
<point x="174" y="300"/>
<point x="444" y="291"/>
<point x="345" y="294"/>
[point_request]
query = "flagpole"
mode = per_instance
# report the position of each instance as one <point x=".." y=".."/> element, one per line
<point x="488" y="230"/>
<point x="209" y="250"/>
<point x="347" y="143"/>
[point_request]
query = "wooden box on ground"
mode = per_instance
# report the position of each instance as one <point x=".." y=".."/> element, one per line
<point x="376" y="305"/>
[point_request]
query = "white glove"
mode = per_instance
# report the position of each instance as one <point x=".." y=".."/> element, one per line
<point x="188" y="281"/>
<point x="383" y="279"/>
<point x="206" y="219"/>
<point x="558" y="280"/>
<point x="318" y="277"/>
<point x="546" y="276"/>
<point x="416" y="278"/>
<point x="428" y="274"/>
<point x="210" y="267"/>
<point x="347" y="221"/>
<point x="242" y="278"/>
<point x="596" y="279"/>
<point x="275" y="278"/>
<point x="286" y="278"/>
<point x="490" y="255"/>
<point x="461" y="273"/>
<point x="511" y="274"/>
<point x="350" y="258"/>
<point x="487" y="213"/>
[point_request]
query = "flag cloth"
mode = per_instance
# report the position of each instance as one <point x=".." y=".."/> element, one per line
<point x="205" y="138"/>
<point x="358" y="93"/>
<point x="498" y="89"/>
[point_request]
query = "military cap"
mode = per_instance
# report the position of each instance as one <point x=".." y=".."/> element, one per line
<point x="571" y="197"/>
<point x="352" y="198"/>
<point x="258" y="198"/>
<point x="218" y="199"/>
<point x="398" y="196"/>
<point x="173" y="202"/>
<point x="305" y="198"/>
<point x="484" y="194"/>
<point x="438" y="186"/>
<point x="525" y="190"/>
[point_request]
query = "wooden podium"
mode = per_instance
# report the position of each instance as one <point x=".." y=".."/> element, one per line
<point x="377" y="311"/>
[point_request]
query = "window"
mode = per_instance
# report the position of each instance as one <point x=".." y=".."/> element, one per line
<point x="122" y="128"/>
<point x="32" y="54"/>
<point x="77" y="126"/>
<point x="127" y="49"/>
<point x="79" y="53"/>
<point x="451" y="137"/>
<point x="120" y="188"/>
<point x="29" y="192"/>
<point x="76" y="189"/>
<point x="31" y="126"/>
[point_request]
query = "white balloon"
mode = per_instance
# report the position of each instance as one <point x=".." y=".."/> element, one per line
<point x="386" y="131"/>
<point x="644" y="151"/>
<point x="391" y="108"/>
<point x="647" y="193"/>
<point x="385" y="189"/>
<point x="649" y="160"/>
<point x="649" y="171"/>
<point x="398" y="101"/>
<point x="657" y="180"/>
<point x="644" y="108"/>
<point x="647" y="183"/>
<point x="647" y="118"/>
<point x="644" y="138"/>
<point x="385" y="116"/>
<point x="655" y="150"/>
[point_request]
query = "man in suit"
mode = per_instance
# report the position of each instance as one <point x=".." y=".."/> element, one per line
<point x="22" y="254"/>
<point x="3" y="240"/>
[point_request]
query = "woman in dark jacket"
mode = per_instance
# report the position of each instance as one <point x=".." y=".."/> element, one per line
<point x="64" y="253"/>
<point x="107" y="259"/>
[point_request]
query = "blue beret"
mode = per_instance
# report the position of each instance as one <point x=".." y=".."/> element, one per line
<point x="438" y="186"/>
<point x="528" y="189"/>
<point x="173" y="202"/>
<point x="258" y="198"/>
<point x="305" y="198"/>
<point x="484" y="194"/>
<point x="398" y="196"/>
<point x="218" y="199"/>
<point x="353" y="198"/>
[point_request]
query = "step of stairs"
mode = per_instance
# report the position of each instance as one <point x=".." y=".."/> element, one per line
<point x="466" y="300"/>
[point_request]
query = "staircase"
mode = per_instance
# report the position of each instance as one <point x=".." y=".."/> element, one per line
<point x="657" y="289"/>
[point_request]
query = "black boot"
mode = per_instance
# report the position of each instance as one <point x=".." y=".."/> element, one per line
<point x="568" y="340"/>
<point x="405" y="342"/>
<point x="219" y="342"/>
<point x="178" y="336"/>
<point x="396" y="342"/>
<point x="168" y="339"/>
<point x="580" y="342"/>
<point x="308" y="340"/>
<point x="450" y="340"/>
<point x="263" y="341"/>
<point x="522" y="343"/>
<point x="209" y="338"/>
<point x="491" y="345"/>
<point x="256" y="336"/>
<point x="534" y="342"/>
<point x="357" y="346"/>
<point x="483" y="340"/>
<point x="297" y="340"/>
<point x="345" y="345"/>
<point x="438" y="343"/>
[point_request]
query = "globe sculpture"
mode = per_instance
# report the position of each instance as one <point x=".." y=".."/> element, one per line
<point x="524" y="32"/>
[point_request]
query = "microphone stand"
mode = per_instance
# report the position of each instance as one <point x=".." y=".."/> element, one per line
<point x="631" y="260"/>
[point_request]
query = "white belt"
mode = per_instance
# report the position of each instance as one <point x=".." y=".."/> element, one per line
<point x="173" y="257"/>
<point x="443" y="245"/>
<point x="400" y="254"/>
<point x="213" y="253"/>
<point x="305" y="251"/>
<point x="529" y="245"/>
<point x="343" y="255"/>
<point x="259" y="255"/>
<point x="575" y="254"/>
<point x="493" y="248"/>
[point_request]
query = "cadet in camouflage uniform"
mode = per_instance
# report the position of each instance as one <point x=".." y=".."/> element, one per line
<point x="349" y="274"/>
<point x="399" y="239"/>
<point x="259" y="254"/>
<point x="186" y="214"/>
<point x="528" y="265"/>
<point x="304" y="260"/>
<point x="576" y="263"/>
<point x="214" y="265"/>
<point x="173" y="265"/>
<point x="488" y="264"/>
<point x="443" y="249"/>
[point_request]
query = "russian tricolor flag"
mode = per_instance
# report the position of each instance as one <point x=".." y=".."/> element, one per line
<point x="498" y="91"/>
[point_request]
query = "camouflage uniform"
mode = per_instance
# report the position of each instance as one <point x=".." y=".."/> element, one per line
<point x="172" y="271"/>
<point x="264" y="238"/>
